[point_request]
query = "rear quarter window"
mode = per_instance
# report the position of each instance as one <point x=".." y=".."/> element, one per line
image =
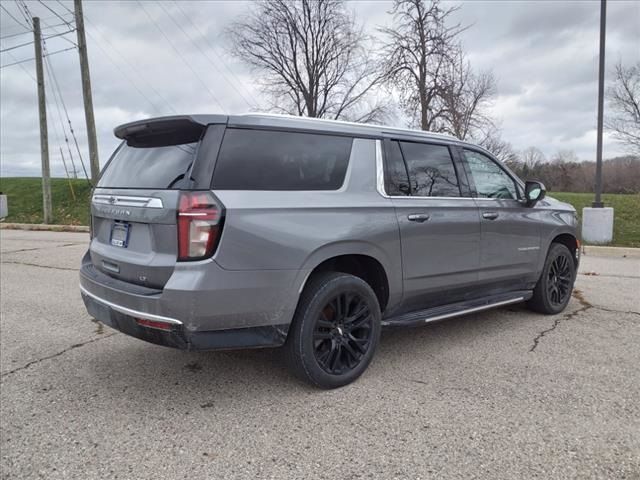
<point x="148" y="167"/>
<point x="274" y="160"/>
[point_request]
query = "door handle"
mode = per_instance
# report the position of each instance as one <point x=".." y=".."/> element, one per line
<point x="418" y="217"/>
<point x="490" y="215"/>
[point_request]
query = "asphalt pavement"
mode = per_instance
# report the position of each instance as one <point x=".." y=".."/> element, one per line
<point x="505" y="394"/>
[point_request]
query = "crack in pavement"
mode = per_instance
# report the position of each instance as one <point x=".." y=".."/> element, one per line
<point x="62" y="352"/>
<point x="585" y="306"/>
<point x="594" y="274"/>
<point x="11" y="262"/>
<point x="624" y="312"/>
<point x="41" y="248"/>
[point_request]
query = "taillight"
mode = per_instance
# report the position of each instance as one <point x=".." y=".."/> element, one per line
<point x="200" y="218"/>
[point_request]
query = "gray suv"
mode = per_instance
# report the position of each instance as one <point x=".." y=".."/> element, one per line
<point x="217" y="232"/>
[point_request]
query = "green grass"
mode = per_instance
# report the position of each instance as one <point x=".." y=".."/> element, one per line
<point x="626" y="221"/>
<point x="24" y="196"/>
<point x="24" y="199"/>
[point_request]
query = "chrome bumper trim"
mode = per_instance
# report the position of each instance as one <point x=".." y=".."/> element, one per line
<point x="129" y="311"/>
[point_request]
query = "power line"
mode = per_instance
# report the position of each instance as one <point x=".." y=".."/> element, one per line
<point x="179" y="55"/>
<point x="57" y="86"/>
<point x="65" y="7"/>
<point x="55" y="127"/>
<point x="57" y="134"/>
<point x="15" y="35"/>
<point x="16" y="46"/>
<point x="54" y="12"/>
<point x="31" y="42"/>
<point x="63" y="38"/>
<point x="14" y="18"/>
<point x="204" y="54"/>
<point x="66" y="22"/>
<point x="22" y="6"/>
<point x="131" y="66"/>
<point x="28" y="29"/>
<point x="22" y="66"/>
<point x="49" y="70"/>
<point x="24" y="10"/>
<point x="29" y="32"/>
<point x="206" y="39"/>
<point x="56" y="25"/>
<point x="32" y="58"/>
<point x="124" y="74"/>
<point x="59" y="34"/>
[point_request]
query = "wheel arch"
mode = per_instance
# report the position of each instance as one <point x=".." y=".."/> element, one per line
<point x="362" y="259"/>
<point x="570" y="241"/>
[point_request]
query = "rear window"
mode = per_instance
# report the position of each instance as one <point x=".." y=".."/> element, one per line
<point x="150" y="167"/>
<point x="272" y="160"/>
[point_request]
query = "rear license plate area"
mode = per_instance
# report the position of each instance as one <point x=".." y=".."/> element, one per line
<point x="120" y="234"/>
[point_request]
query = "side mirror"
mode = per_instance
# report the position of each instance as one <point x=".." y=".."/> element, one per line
<point x="533" y="192"/>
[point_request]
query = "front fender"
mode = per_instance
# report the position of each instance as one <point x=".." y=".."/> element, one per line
<point x="560" y="223"/>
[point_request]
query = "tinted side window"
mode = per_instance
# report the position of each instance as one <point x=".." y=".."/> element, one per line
<point x="271" y="160"/>
<point x="431" y="170"/>
<point x="395" y="178"/>
<point x="149" y="167"/>
<point x="490" y="180"/>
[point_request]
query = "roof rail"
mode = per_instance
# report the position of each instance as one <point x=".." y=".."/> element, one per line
<point x="352" y="124"/>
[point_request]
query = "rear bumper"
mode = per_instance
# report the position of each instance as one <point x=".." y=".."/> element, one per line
<point x="207" y="307"/>
<point x="124" y="320"/>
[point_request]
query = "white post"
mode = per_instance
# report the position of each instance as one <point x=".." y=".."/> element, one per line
<point x="597" y="225"/>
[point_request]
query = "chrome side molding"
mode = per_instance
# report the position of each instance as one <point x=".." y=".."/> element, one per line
<point x="474" y="309"/>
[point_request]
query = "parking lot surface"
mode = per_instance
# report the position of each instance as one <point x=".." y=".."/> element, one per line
<point x="502" y="394"/>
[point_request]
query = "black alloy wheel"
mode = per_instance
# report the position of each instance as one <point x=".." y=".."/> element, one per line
<point x="335" y="330"/>
<point x="559" y="279"/>
<point x="555" y="285"/>
<point x="342" y="334"/>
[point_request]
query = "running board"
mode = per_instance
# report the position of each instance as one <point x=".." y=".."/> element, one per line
<point x="435" y="314"/>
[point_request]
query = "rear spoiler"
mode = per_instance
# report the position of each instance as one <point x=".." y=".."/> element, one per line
<point x="165" y="131"/>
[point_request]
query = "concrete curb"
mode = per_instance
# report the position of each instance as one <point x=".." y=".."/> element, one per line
<point x="599" y="251"/>
<point x="43" y="227"/>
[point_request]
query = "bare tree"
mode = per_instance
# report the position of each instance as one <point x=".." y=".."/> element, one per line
<point x="624" y="99"/>
<point x="566" y="167"/>
<point x="531" y="160"/>
<point x="419" y="48"/>
<point x="464" y="96"/>
<point x="565" y="156"/>
<point x="501" y="149"/>
<point x="566" y="173"/>
<point x="532" y="157"/>
<point x="311" y="57"/>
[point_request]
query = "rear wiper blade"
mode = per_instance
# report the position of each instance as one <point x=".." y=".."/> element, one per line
<point x="176" y="180"/>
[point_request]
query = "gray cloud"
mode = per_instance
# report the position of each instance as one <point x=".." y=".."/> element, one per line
<point x="544" y="55"/>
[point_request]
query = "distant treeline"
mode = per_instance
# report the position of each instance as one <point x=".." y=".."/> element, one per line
<point x="619" y="175"/>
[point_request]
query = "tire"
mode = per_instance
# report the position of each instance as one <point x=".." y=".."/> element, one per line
<point x="325" y="347"/>
<point x="553" y="290"/>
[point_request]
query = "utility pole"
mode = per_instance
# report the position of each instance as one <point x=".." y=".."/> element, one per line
<point x="44" y="135"/>
<point x="603" y="28"/>
<point x="86" y="92"/>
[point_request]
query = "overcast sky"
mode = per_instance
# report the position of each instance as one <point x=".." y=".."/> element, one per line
<point x="544" y="55"/>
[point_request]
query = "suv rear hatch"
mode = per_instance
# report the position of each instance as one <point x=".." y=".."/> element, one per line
<point x="136" y="205"/>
